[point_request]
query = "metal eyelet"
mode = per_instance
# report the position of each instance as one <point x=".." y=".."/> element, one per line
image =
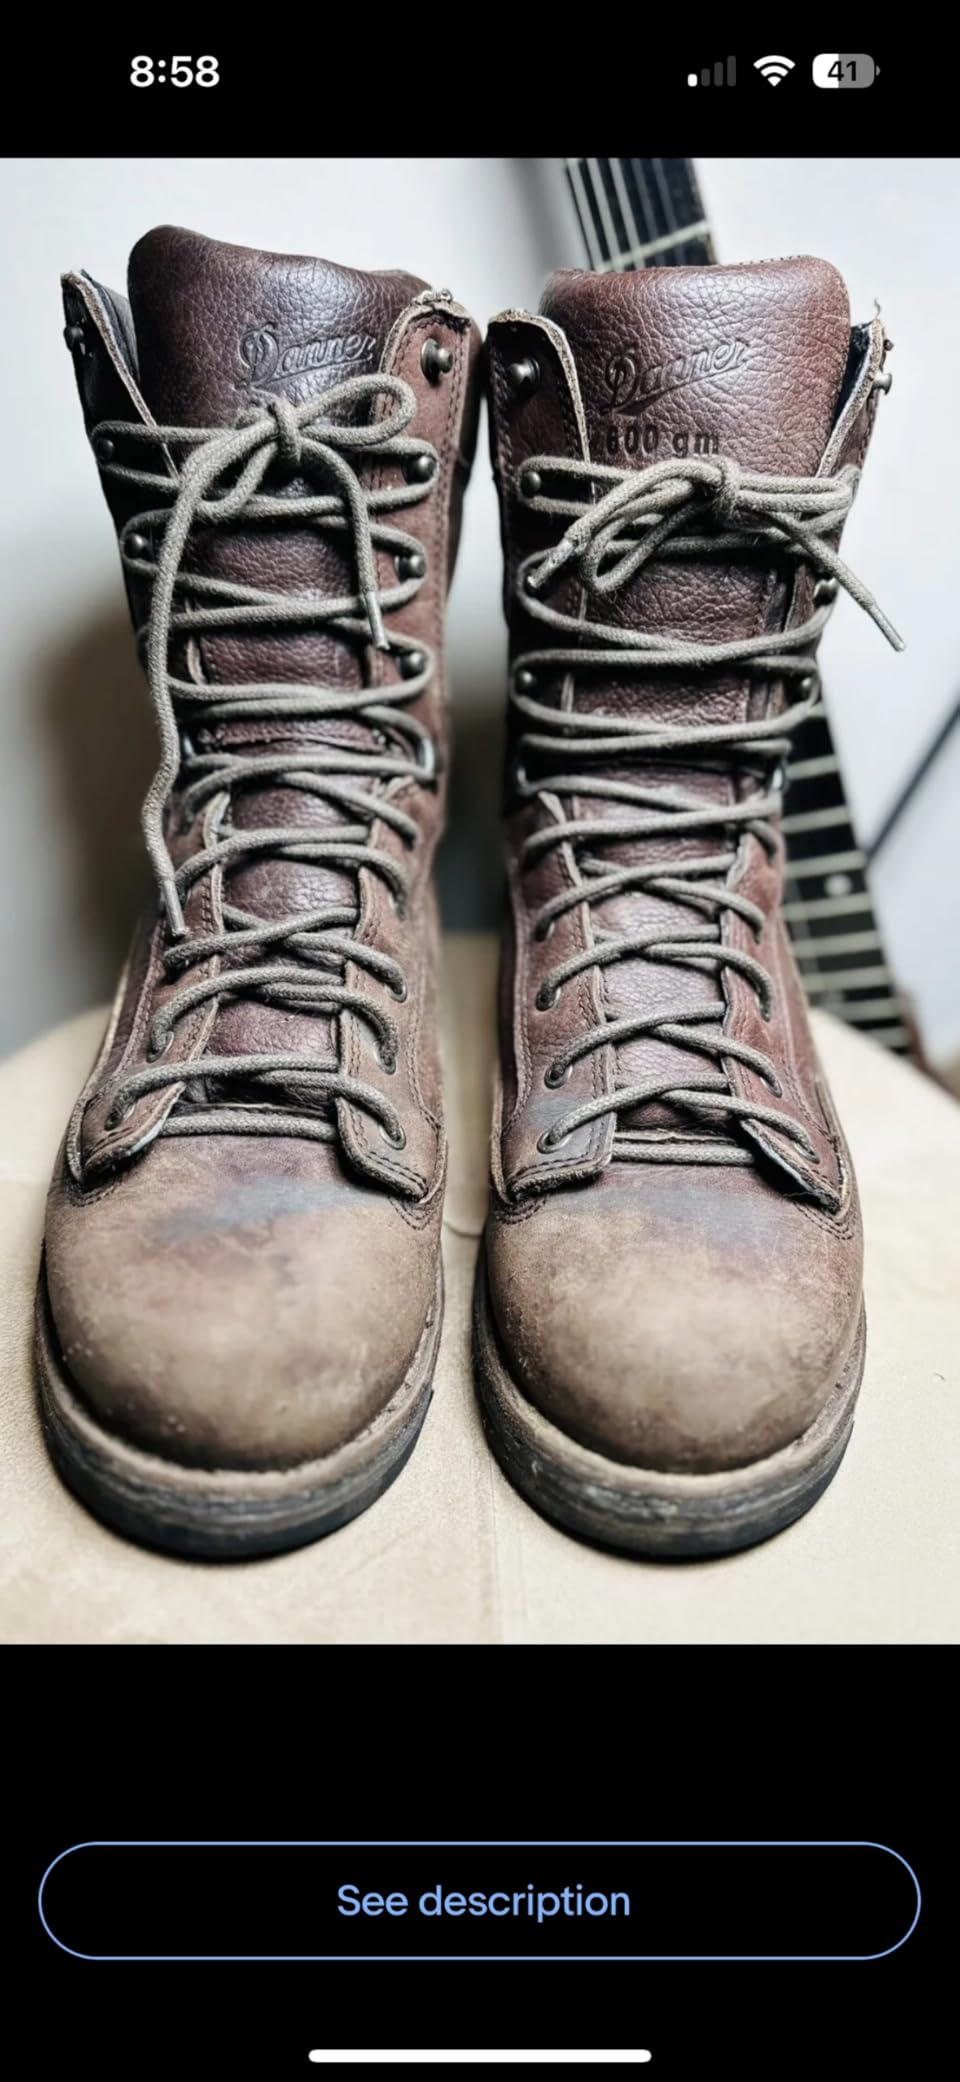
<point x="418" y="469"/>
<point x="153" y="1050"/>
<point x="401" y="995"/>
<point x="435" y="360"/>
<point x="395" y="1136"/>
<point x="118" y="1114"/>
<point x="410" y="663"/>
<point x="807" y="686"/>
<point x="531" y="483"/>
<point x="524" y="376"/>
<point x="775" y="1087"/>
<point x="136" y="546"/>
<point x="525" y="681"/>
<point x="548" y="1141"/>
<point x="883" y="382"/>
<point x="545" y="932"/>
<point x="555" y="1075"/>
<point x="546" y="999"/>
<point x="826" y="589"/>
<point x="104" y="448"/>
<point x="388" y="1061"/>
<point x="411" y="563"/>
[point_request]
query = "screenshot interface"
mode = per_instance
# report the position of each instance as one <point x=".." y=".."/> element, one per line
<point x="479" y="1050"/>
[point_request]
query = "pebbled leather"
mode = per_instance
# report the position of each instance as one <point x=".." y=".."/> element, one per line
<point x="756" y="362"/>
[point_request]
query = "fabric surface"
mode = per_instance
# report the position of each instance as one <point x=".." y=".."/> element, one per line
<point x="451" y="1554"/>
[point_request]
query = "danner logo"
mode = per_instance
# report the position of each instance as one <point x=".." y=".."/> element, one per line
<point x="265" y="358"/>
<point x="631" y="381"/>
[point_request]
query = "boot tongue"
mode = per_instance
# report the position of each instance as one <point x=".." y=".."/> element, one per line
<point x="216" y="322"/>
<point x="740" y="361"/>
<point x="746" y="362"/>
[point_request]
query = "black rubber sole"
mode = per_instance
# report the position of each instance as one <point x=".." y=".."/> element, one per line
<point x="642" y="1511"/>
<point x="210" y="1514"/>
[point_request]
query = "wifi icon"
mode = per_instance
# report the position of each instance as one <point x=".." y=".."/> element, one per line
<point x="773" y="69"/>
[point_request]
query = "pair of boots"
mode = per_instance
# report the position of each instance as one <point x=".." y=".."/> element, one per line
<point x="241" y="1295"/>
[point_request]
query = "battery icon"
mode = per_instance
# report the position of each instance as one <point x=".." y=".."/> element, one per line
<point x="844" y="69"/>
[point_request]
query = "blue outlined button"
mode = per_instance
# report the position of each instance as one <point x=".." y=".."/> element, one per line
<point x="570" y="1901"/>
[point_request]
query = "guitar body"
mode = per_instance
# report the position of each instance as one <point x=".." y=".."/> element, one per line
<point x="649" y="213"/>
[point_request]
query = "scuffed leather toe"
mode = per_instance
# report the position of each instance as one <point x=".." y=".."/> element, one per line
<point x="676" y="1318"/>
<point x="241" y="1304"/>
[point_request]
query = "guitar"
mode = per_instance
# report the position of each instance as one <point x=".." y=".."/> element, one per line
<point x="637" y="213"/>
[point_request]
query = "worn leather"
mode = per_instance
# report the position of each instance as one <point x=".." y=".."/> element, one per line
<point x="670" y="1314"/>
<point x="253" y="1301"/>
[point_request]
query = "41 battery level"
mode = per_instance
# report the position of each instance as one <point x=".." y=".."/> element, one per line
<point x="844" y="69"/>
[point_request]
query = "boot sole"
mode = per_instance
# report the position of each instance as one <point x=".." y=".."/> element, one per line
<point x="227" y="1514"/>
<point x="642" y="1510"/>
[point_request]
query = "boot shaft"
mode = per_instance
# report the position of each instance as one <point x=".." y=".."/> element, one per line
<point x="283" y="444"/>
<point x="676" y="452"/>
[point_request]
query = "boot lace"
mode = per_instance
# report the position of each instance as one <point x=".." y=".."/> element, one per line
<point x="296" y="962"/>
<point x="618" y="521"/>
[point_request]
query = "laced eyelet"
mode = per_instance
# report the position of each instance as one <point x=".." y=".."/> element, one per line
<point x="548" y="1141"/>
<point x="525" y="681"/>
<point x="388" y="1061"/>
<point x="400" y="991"/>
<point x="419" y="469"/>
<point x="807" y="686"/>
<point x="545" y="932"/>
<point x="411" y="663"/>
<point x="395" y="1136"/>
<point x="826" y="589"/>
<point x="776" y="1087"/>
<point x="556" y="1074"/>
<point x="411" y="563"/>
<point x="136" y="546"/>
<point x="104" y="448"/>
<point x="531" y="483"/>
<point x="155" y="1050"/>
<point x="399" y="902"/>
<point x="546" y="999"/>
<point x="118" y="1114"/>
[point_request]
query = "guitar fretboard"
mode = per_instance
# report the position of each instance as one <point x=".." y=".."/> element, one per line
<point x="640" y="213"/>
<point x="637" y="213"/>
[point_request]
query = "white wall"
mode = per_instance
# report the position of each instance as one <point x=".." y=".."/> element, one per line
<point x="76" y="742"/>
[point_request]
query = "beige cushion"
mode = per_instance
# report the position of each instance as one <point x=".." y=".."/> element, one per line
<point x="450" y="1553"/>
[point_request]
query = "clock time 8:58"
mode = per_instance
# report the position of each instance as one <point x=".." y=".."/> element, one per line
<point x="181" y="72"/>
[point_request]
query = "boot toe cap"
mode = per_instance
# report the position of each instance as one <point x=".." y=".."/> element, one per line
<point x="258" y="1322"/>
<point x="666" y="1339"/>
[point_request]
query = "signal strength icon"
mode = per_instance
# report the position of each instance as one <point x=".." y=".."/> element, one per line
<point x="713" y="75"/>
<point x="773" y="69"/>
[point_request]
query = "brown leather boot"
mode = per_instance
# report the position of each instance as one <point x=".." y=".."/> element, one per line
<point x="240" y="1302"/>
<point x="669" y="1318"/>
